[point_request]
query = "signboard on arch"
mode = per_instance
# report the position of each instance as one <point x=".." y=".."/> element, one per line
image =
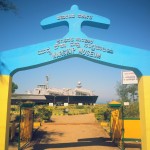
<point x="129" y="77"/>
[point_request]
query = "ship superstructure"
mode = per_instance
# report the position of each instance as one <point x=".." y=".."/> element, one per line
<point x="56" y="96"/>
<point x="43" y="89"/>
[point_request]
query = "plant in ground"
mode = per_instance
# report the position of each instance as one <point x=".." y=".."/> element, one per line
<point x="42" y="113"/>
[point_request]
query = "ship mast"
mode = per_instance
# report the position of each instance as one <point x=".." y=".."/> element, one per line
<point x="47" y="82"/>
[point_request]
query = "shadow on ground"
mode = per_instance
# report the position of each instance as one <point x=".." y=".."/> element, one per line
<point x="80" y="143"/>
<point x="42" y="137"/>
<point x="132" y="145"/>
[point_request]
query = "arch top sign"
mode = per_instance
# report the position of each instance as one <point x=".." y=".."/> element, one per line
<point x="75" y="19"/>
<point x="75" y="44"/>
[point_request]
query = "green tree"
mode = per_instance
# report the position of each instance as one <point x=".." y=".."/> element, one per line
<point x="132" y="89"/>
<point x="42" y="113"/>
<point x="122" y="91"/>
<point x="6" y="5"/>
<point x="14" y="87"/>
<point x="127" y="92"/>
<point x="132" y="110"/>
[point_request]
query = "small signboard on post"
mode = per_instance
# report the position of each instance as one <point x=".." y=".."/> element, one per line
<point x="129" y="77"/>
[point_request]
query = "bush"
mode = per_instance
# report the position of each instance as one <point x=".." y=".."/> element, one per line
<point x="14" y="109"/>
<point x="42" y="113"/>
<point x="79" y="107"/>
<point x="131" y="111"/>
<point x="101" y="112"/>
<point x="17" y="118"/>
<point x="107" y="115"/>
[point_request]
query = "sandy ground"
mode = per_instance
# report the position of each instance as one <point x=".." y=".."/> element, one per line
<point x="78" y="132"/>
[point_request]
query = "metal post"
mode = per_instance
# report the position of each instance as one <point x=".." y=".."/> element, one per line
<point x="122" y="140"/>
<point x="68" y="99"/>
<point x="19" y="130"/>
<point x="54" y="100"/>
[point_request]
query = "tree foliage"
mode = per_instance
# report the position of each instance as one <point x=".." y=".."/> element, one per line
<point x="42" y="113"/>
<point x="132" y="89"/>
<point x="6" y="5"/>
<point x="131" y="111"/>
<point x="122" y="91"/>
<point x="14" y="87"/>
<point x="102" y="112"/>
<point x="126" y="92"/>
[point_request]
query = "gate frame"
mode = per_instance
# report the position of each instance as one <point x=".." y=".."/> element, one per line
<point x="119" y="107"/>
<point x="23" y="106"/>
<point x="113" y="55"/>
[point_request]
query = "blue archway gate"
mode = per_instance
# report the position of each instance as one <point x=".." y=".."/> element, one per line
<point x="75" y="44"/>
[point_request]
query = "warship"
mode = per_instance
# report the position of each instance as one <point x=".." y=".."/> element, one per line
<point x="56" y="96"/>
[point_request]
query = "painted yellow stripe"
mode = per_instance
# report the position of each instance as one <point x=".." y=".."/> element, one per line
<point x="5" y="93"/>
<point x="144" y="97"/>
<point x="132" y="129"/>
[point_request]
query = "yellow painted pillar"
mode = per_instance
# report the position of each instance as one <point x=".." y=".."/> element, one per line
<point x="5" y="93"/>
<point x="144" y="102"/>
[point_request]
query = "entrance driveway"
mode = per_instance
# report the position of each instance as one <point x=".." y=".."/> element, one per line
<point x="78" y="132"/>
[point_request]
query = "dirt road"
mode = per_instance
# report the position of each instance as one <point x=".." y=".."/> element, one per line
<point x="78" y="132"/>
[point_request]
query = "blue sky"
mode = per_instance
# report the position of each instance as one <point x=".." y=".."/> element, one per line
<point x="130" y="25"/>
